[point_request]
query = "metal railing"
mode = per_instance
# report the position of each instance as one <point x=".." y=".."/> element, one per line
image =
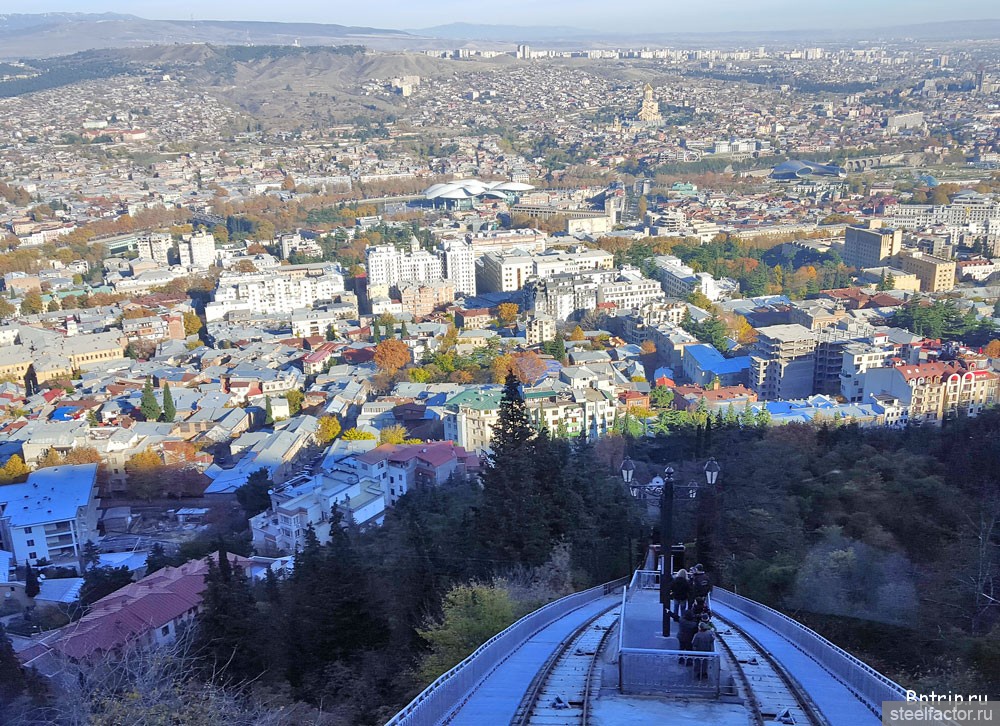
<point x="436" y="702"/>
<point x="669" y="672"/>
<point x="870" y="686"/>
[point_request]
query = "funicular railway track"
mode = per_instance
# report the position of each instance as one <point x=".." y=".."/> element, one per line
<point x="562" y="690"/>
<point x="769" y="691"/>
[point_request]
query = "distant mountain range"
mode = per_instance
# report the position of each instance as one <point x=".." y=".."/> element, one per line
<point x="47" y="34"/>
<point x="942" y="31"/>
<point x="27" y="36"/>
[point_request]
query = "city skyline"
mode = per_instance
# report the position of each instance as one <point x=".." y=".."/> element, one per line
<point x="716" y="16"/>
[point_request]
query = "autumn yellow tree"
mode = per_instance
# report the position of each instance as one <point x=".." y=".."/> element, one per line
<point x="143" y="471"/>
<point x="507" y="312"/>
<point x="83" y="455"/>
<point x="329" y="429"/>
<point x="577" y="334"/>
<point x="51" y="458"/>
<point x="648" y="347"/>
<point x="357" y="435"/>
<point x="395" y="434"/>
<point x="14" y="470"/>
<point x="992" y="349"/>
<point x="391" y="355"/>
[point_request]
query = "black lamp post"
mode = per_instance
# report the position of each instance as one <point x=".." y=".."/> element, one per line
<point x="666" y="544"/>
<point x="712" y="470"/>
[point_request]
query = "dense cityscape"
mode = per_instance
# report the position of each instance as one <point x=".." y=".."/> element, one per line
<point x="321" y="364"/>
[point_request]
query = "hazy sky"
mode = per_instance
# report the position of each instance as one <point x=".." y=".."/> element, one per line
<point x="646" y="15"/>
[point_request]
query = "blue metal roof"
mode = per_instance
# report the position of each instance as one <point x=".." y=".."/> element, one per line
<point x="712" y="361"/>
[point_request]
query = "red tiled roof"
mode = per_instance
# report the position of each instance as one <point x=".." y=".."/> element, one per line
<point x="132" y="611"/>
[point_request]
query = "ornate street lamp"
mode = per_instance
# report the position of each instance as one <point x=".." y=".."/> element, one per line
<point x="666" y="493"/>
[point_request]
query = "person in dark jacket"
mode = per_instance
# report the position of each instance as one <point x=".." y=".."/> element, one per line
<point x="686" y="630"/>
<point x="701" y="583"/>
<point x="680" y="590"/>
<point x="699" y="609"/>
<point x="703" y="642"/>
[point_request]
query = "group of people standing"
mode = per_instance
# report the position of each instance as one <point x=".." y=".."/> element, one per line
<point x="689" y="591"/>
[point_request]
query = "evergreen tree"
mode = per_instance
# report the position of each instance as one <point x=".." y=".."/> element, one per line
<point x="253" y="496"/>
<point x="157" y="559"/>
<point x="376" y="335"/>
<point x="12" y="679"/>
<point x="512" y="524"/>
<point x="329" y="613"/>
<point x="169" y="411"/>
<point x="100" y="582"/>
<point x="148" y="405"/>
<point x="31" y="586"/>
<point x="228" y="628"/>
<point x="268" y="413"/>
<point x="91" y="555"/>
<point x="30" y="381"/>
<point x="403" y="332"/>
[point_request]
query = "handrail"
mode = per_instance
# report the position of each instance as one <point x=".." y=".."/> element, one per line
<point x="440" y="698"/>
<point x="870" y="686"/>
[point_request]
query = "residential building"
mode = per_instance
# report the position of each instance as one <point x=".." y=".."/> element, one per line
<point x="400" y="467"/>
<point x="51" y="515"/>
<point x="197" y="251"/>
<point x="284" y="290"/>
<point x="422" y="299"/>
<point x="154" y="327"/>
<point x="156" y="246"/>
<point x="388" y="266"/>
<point x="715" y="397"/>
<point x="147" y="613"/>
<point x="935" y="273"/>
<point x="680" y="280"/>
<point x="539" y="328"/>
<point x="470" y="417"/>
<point x="588" y="412"/>
<point x="703" y="364"/>
<point x="782" y="363"/>
<point x="856" y="360"/>
<point x="901" y="280"/>
<point x="499" y="272"/>
<point x="935" y="391"/>
<point x="871" y="246"/>
<point x="460" y="266"/>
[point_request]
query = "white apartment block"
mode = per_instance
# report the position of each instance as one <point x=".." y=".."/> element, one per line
<point x="859" y="358"/>
<point x="197" y="251"/>
<point x="460" y="266"/>
<point x="631" y="290"/>
<point x="156" y="246"/>
<point x="388" y="266"/>
<point x="679" y="280"/>
<point x="273" y="292"/>
<point x="51" y="515"/>
<point x="496" y="272"/>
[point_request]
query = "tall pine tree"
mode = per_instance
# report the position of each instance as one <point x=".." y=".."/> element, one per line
<point x="511" y="523"/>
<point x="169" y="410"/>
<point x="229" y="632"/>
<point x="31" y="586"/>
<point x="148" y="405"/>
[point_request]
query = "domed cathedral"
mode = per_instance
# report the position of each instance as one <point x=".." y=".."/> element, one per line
<point x="649" y="109"/>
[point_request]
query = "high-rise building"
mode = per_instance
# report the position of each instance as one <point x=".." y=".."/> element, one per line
<point x="781" y="367"/>
<point x="460" y="266"/>
<point x="156" y="246"/>
<point x="935" y="273"/>
<point x="872" y="246"/>
<point x="197" y="251"/>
